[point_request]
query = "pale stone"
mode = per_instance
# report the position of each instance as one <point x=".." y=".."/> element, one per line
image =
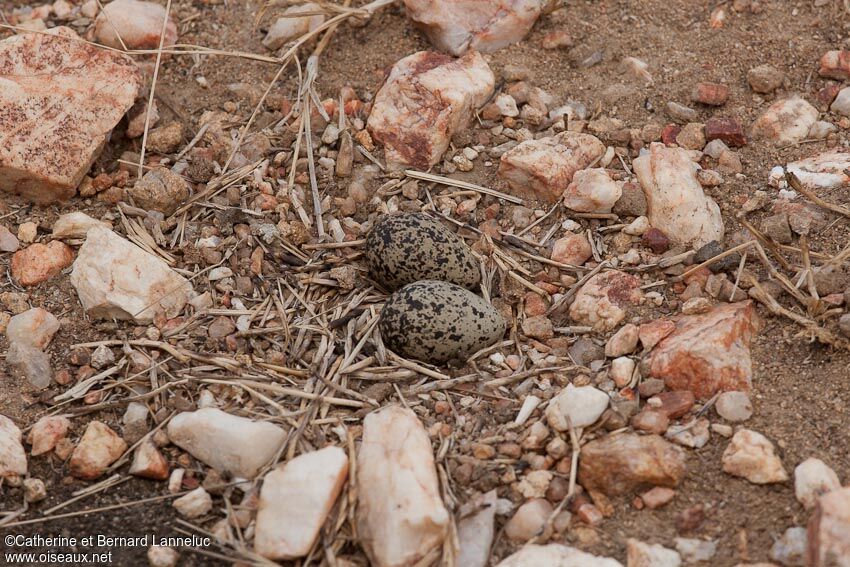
<point x="76" y="225"/>
<point x="13" y="459"/>
<point x="46" y="432"/>
<point x="98" y="448"/>
<point x="640" y="554"/>
<point x="148" y="462"/>
<point x="34" y="327"/>
<point x="790" y="549"/>
<point x="137" y="23"/>
<point x="295" y="500"/>
<point x="603" y="301"/>
<point x="623" y="341"/>
<point x="400" y="516"/>
<point x="475" y="530"/>
<point x="556" y="555"/>
<point x="34" y="490"/>
<point x="116" y="279"/>
<point x="750" y="455"/>
<point x="695" y="550"/>
<point x="194" y="504"/>
<point x="430" y="89"/>
<point x="734" y="406"/>
<point x="841" y="104"/>
<point x="675" y="199"/>
<point x="592" y="191"/>
<point x="458" y="27"/>
<point x="288" y="28"/>
<point x="827" y="170"/>
<point x="61" y="98"/>
<point x="812" y="479"/>
<point x="621" y="372"/>
<point x="580" y="407"/>
<point x="829" y="531"/>
<point x="529" y="520"/>
<point x="786" y="121"/>
<point x="230" y="444"/>
<point x="543" y="169"/>
<point x="162" y="556"/>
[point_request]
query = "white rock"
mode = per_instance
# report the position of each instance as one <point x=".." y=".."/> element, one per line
<point x="675" y="199"/>
<point x="603" y="302"/>
<point x="46" y="432"/>
<point x="529" y="520"/>
<point x="433" y="89"/>
<point x="288" y="28"/>
<point x="829" y="531"/>
<point x="506" y="105"/>
<point x="34" y="490"/>
<point x="194" y="504"/>
<point x="400" y="516"/>
<point x="821" y="129"/>
<point x="556" y="555"/>
<point x="102" y="357"/>
<point x="67" y="95"/>
<point x="841" y="104"/>
<point x="230" y="444"/>
<point x="580" y="407"/>
<point x="137" y="23"/>
<point x="637" y="227"/>
<point x="812" y="479"/>
<point x="715" y="148"/>
<point x="694" y="436"/>
<point x="750" y="455"/>
<point x="790" y="549"/>
<point x="175" y="480"/>
<point x="295" y="501"/>
<point x="475" y="530"/>
<point x="98" y="448"/>
<point x="542" y="169"/>
<point x="529" y="404"/>
<point x="640" y="554"/>
<point x="695" y="550"/>
<point x="621" y="371"/>
<point x="823" y="171"/>
<point x="148" y="462"/>
<point x="623" y="341"/>
<point x="535" y="484"/>
<point x="592" y="191"/>
<point x="162" y="556"/>
<point x="116" y="279"/>
<point x="734" y="406"/>
<point x="481" y="25"/>
<point x="785" y="121"/>
<point x="76" y="225"/>
<point x="13" y="459"/>
<point x="34" y="327"/>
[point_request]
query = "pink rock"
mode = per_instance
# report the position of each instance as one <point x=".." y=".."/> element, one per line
<point x="40" y="262"/>
<point x="61" y="98"/>
<point x="98" y="448"/>
<point x="708" y="353"/>
<point x="137" y="23"/>
<point x="829" y="531"/>
<point x="574" y="250"/>
<point x="556" y="555"/>
<point x="604" y="300"/>
<point x="483" y="25"/>
<point x="401" y="517"/>
<point x="8" y="241"/>
<point x="542" y="169"/>
<point x="46" y="433"/>
<point x="592" y="191"/>
<point x="675" y="198"/>
<point x="623" y="342"/>
<point x="427" y="98"/>
<point x="651" y="333"/>
<point x="295" y="500"/>
<point x="640" y="554"/>
<point x="34" y="327"/>
<point x="750" y="455"/>
<point x="529" y="520"/>
<point x="13" y="459"/>
<point x="148" y="462"/>
<point x="835" y="65"/>
<point x="785" y="121"/>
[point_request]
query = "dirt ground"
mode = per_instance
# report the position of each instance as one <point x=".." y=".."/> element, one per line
<point x="800" y="391"/>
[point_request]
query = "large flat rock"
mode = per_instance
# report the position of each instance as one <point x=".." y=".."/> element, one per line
<point x="60" y="98"/>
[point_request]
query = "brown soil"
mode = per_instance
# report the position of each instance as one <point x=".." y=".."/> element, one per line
<point x="800" y="387"/>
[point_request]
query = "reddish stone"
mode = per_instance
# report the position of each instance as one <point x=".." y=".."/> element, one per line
<point x="690" y="519"/>
<point x="657" y="497"/>
<point x="669" y="133"/>
<point x="708" y="353"/>
<point x="656" y="241"/>
<point x="650" y="334"/>
<point x="674" y="404"/>
<point x="835" y="65"/>
<point x="727" y="130"/>
<point x="40" y="262"/>
<point x="825" y="96"/>
<point x="651" y="421"/>
<point x="712" y="94"/>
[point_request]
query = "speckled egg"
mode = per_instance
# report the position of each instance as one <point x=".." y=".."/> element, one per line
<point x="439" y="321"/>
<point x="403" y="249"/>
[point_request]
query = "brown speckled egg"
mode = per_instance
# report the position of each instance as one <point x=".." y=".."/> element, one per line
<point x="403" y="249"/>
<point x="438" y="321"/>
